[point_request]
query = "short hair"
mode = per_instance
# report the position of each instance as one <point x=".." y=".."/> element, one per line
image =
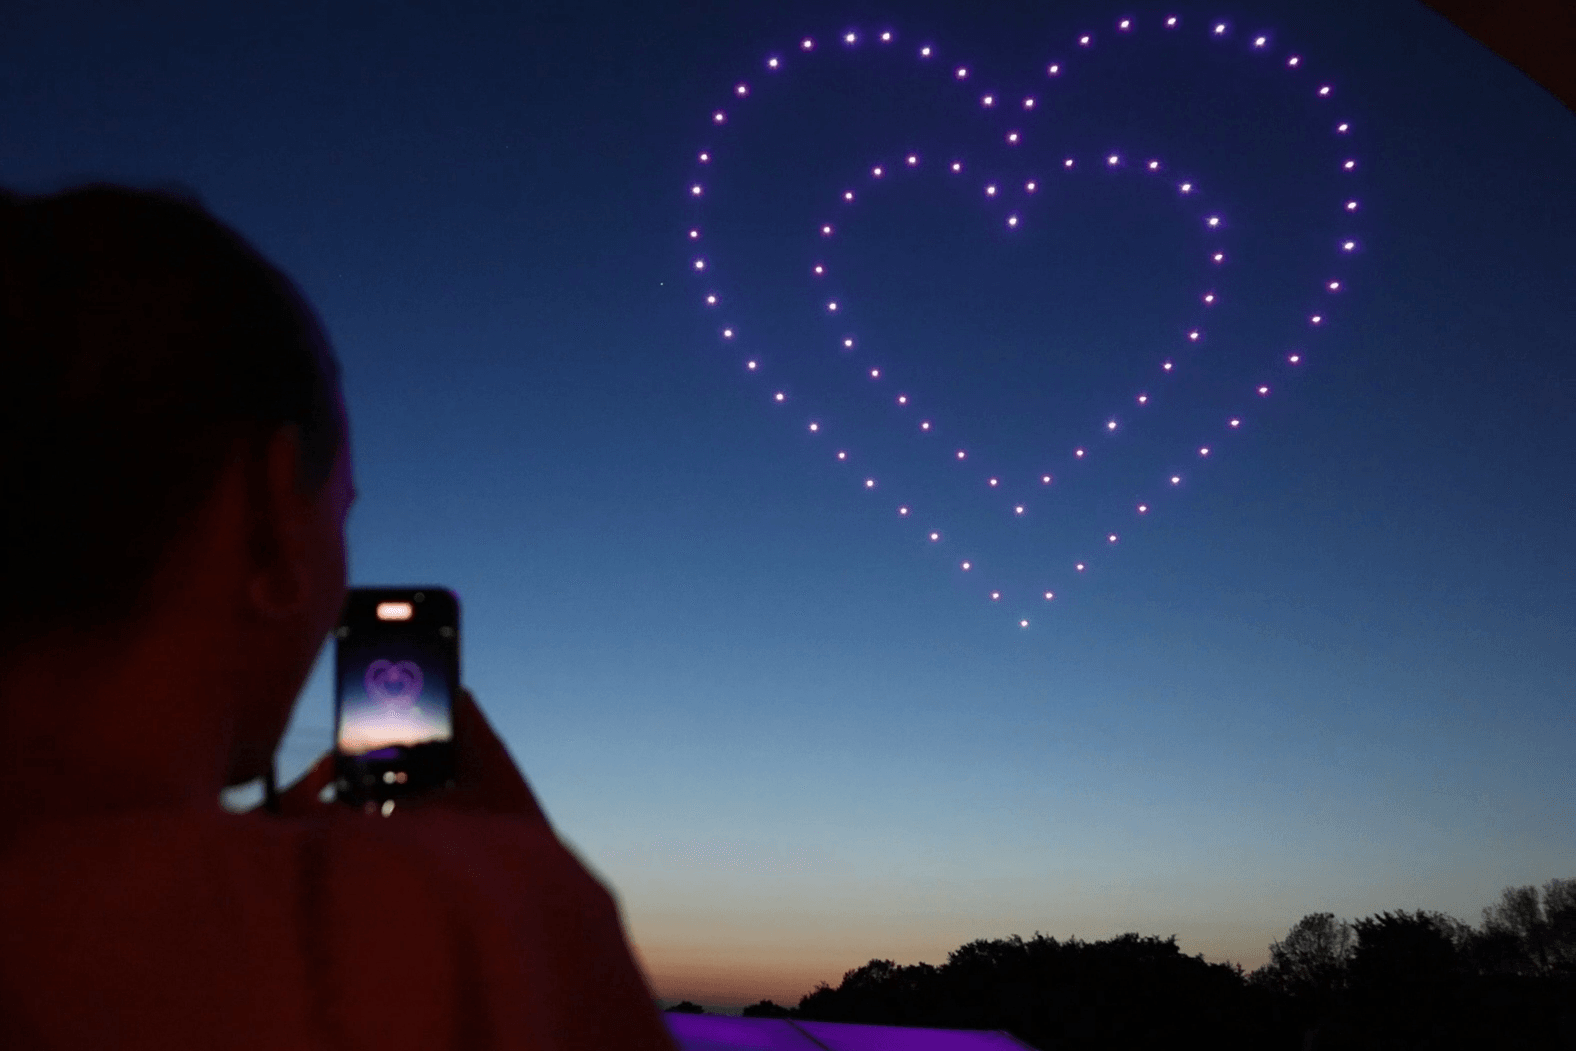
<point x="140" y="340"/>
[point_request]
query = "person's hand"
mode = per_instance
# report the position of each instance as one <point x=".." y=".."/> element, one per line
<point x="486" y="777"/>
<point x="306" y="795"/>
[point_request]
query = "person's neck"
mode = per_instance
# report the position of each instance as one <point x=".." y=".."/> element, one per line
<point x="92" y="726"/>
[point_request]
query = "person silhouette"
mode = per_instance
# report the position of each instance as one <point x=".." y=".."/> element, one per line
<point x="176" y="475"/>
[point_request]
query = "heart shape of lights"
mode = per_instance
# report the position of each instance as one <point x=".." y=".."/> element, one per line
<point x="393" y="685"/>
<point x="1008" y="201"/>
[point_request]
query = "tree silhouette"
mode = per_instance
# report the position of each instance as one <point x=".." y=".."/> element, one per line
<point x="766" y="1009"/>
<point x="1523" y="935"/>
<point x="1406" y="981"/>
<point x="1407" y="975"/>
<point x="1308" y="970"/>
<point x="1128" y="992"/>
<point x="687" y="1008"/>
<point x="1312" y="960"/>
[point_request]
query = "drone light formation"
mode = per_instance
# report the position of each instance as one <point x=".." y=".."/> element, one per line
<point x="1012" y="219"/>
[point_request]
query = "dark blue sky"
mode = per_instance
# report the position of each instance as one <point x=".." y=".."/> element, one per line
<point x="1333" y="672"/>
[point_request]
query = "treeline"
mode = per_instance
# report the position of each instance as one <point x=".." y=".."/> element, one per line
<point x="1392" y="981"/>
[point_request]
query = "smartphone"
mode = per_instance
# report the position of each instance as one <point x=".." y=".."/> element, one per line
<point x="396" y="676"/>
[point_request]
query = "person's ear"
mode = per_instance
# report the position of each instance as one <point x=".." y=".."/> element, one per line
<point x="280" y="583"/>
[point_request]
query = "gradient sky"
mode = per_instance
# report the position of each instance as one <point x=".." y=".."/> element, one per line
<point x="1335" y="674"/>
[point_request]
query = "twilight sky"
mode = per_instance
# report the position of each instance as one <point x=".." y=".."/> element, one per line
<point x="1329" y="671"/>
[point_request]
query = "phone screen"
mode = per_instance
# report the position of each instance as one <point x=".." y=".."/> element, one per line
<point x="396" y="669"/>
<point x="392" y="696"/>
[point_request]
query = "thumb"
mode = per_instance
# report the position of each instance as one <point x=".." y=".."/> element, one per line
<point x="302" y="798"/>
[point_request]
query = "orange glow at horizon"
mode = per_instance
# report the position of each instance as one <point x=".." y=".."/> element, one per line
<point x="729" y="969"/>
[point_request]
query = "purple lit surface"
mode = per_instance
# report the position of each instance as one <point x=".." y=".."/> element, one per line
<point x="719" y="1033"/>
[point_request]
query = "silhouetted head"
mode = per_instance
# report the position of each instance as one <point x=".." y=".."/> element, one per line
<point x="140" y="339"/>
<point x="147" y="354"/>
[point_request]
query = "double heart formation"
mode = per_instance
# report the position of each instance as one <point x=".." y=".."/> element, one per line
<point x="1009" y="199"/>
<point x="393" y="684"/>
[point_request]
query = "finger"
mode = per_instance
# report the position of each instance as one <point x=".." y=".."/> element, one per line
<point x="486" y="777"/>
<point x="304" y="796"/>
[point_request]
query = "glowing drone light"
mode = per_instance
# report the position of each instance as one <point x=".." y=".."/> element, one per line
<point x="1002" y="191"/>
